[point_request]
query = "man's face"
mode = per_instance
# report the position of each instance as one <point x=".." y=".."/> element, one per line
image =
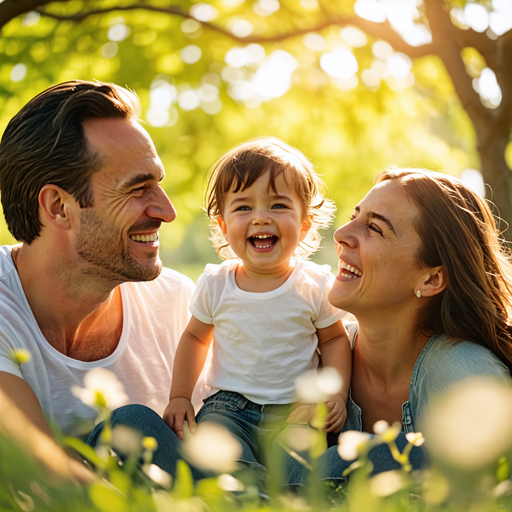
<point x="118" y="235"/>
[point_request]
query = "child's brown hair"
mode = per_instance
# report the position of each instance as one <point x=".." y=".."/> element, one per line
<point x="240" y="167"/>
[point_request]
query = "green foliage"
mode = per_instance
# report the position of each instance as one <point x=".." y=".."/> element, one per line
<point x="25" y="486"/>
<point x="349" y="134"/>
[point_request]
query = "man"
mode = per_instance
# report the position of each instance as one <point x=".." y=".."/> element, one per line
<point x="80" y="189"/>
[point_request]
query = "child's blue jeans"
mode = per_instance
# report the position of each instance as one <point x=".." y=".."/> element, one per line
<point x="254" y="426"/>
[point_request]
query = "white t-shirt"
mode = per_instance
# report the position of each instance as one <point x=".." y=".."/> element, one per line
<point x="264" y="341"/>
<point x="155" y="314"/>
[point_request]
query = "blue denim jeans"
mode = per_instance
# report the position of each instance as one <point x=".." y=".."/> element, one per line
<point x="254" y="429"/>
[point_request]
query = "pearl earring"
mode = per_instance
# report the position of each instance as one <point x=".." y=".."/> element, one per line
<point x="418" y="294"/>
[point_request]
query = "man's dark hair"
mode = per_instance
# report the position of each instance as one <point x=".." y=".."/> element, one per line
<point x="45" y="144"/>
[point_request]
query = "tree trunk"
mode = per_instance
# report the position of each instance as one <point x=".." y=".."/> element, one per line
<point x="491" y="145"/>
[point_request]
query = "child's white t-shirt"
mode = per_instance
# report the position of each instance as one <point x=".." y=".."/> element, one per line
<point x="264" y="341"/>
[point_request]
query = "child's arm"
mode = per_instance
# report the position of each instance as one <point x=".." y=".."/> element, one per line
<point x="188" y="364"/>
<point x="334" y="346"/>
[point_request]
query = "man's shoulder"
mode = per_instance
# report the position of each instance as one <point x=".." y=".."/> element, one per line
<point x="174" y="278"/>
<point x="6" y="264"/>
<point x="169" y="281"/>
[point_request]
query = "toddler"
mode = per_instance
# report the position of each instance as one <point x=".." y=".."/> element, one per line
<point x="265" y="307"/>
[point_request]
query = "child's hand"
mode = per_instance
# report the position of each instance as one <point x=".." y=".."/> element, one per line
<point x="302" y="414"/>
<point x="337" y="414"/>
<point x="177" y="411"/>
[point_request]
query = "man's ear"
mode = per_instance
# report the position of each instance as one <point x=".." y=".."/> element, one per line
<point x="433" y="282"/>
<point x="223" y="227"/>
<point x="55" y="206"/>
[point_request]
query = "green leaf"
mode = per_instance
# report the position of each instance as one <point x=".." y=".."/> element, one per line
<point x="107" y="498"/>
<point x="503" y="471"/>
<point x="85" y="450"/>
<point x="184" y="484"/>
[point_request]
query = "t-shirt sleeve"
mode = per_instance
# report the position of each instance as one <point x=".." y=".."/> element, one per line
<point x="6" y="363"/>
<point x="328" y="314"/>
<point x="200" y="306"/>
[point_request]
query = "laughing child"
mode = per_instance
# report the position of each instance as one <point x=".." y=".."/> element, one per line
<point x="265" y="307"/>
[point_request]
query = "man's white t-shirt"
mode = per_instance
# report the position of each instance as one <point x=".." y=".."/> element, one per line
<point x="155" y="313"/>
<point x="264" y="341"/>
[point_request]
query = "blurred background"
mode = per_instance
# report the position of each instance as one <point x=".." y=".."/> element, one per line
<point x="357" y="86"/>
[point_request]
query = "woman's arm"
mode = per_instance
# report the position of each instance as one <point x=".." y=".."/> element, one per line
<point x="334" y="346"/>
<point x="188" y="364"/>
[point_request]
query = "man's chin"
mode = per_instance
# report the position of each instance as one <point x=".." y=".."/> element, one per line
<point x="144" y="272"/>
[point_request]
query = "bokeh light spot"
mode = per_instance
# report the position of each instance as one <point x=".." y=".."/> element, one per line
<point x="382" y="50"/>
<point x="353" y="36"/>
<point x="240" y="27"/>
<point x="314" y="42"/>
<point x="189" y="100"/>
<point x="477" y="17"/>
<point x="370" y="10"/>
<point x="474" y="180"/>
<point x="18" y="72"/>
<point x="203" y="12"/>
<point x="190" y="54"/>
<point x="118" y="32"/>
<point x="340" y="63"/>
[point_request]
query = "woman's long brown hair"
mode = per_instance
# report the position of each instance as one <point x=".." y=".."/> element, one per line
<point x="458" y="232"/>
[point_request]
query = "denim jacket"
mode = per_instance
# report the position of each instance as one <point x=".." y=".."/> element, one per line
<point x="441" y="363"/>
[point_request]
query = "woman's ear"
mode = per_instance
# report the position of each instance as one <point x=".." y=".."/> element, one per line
<point x="433" y="282"/>
<point x="55" y="206"/>
<point x="223" y="227"/>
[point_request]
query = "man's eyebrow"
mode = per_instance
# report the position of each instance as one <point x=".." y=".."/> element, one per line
<point x="373" y="215"/>
<point x="142" y="178"/>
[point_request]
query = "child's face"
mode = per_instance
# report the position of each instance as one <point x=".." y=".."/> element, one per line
<point x="264" y="227"/>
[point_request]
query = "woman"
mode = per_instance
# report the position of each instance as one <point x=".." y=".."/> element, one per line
<point x="431" y="293"/>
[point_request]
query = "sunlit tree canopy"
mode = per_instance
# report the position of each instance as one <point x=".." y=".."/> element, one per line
<point x="357" y="86"/>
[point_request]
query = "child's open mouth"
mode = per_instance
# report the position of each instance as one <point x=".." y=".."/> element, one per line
<point x="263" y="241"/>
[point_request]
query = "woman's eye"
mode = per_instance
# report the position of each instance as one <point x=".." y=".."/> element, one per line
<point x="375" y="228"/>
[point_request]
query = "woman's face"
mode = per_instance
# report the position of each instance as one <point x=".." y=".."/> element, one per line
<point x="380" y="244"/>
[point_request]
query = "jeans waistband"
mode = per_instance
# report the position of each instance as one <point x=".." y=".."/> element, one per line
<point x="241" y="402"/>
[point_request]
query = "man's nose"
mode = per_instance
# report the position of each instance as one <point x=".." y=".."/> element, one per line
<point x="161" y="207"/>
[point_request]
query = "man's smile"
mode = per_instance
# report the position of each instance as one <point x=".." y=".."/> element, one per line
<point x="145" y="238"/>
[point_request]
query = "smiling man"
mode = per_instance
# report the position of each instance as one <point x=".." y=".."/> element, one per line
<point x="80" y="189"/>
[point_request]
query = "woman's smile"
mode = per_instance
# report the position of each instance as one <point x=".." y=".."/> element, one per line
<point x="349" y="271"/>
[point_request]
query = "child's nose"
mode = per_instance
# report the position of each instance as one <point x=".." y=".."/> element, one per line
<point x="261" y="216"/>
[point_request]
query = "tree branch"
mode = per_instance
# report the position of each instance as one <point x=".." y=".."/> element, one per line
<point x="504" y="76"/>
<point x="10" y="9"/>
<point x="444" y="33"/>
<point x="377" y="30"/>
<point x="485" y="46"/>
